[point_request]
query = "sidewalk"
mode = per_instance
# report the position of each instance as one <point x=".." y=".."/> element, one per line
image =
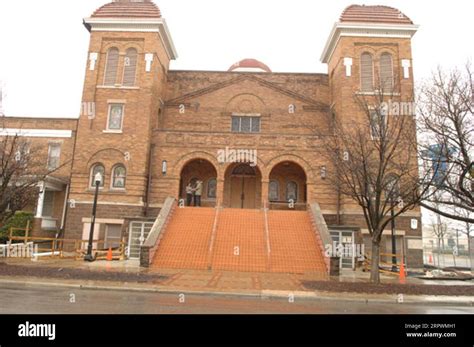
<point x="263" y="285"/>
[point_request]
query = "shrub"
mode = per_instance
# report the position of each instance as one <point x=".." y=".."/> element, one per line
<point x="18" y="220"/>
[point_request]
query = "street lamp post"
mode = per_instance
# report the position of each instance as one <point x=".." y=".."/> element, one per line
<point x="97" y="182"/>
<point x="394" y="240"/>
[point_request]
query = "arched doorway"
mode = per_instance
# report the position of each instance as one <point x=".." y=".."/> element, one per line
<point x="243" y="186"/>
<point x="203" y="170"/>
<point x="287" y="185"/>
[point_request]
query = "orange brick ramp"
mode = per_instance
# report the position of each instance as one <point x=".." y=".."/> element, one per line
<point x="240" y="241"/>
<point x="185" y="243"/>
<point x="293" y="244"/>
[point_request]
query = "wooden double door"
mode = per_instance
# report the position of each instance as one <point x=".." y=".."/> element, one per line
<point x="243" y="191"/>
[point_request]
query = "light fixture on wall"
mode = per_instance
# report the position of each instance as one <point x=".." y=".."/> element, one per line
<point x="323" y="172"/>
<point x="164" y="167"/>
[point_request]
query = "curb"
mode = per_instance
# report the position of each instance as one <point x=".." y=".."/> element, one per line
<point x="271" y="294"/>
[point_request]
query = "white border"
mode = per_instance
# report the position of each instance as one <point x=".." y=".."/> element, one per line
<point x="36" y="132"/>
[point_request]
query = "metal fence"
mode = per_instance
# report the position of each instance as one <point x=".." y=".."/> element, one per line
<point x="448" y="253"/>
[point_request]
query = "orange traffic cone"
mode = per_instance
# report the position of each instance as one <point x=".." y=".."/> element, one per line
<point x="402" y="273"/>
<point x="109" y="255"/>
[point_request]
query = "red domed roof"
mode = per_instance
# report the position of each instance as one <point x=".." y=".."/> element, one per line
<point x="250" y="64"/>
<point x="374" y="14"/>
<point x="128" y="9"/>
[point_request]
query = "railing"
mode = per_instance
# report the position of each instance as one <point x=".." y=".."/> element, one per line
<point x="213" y="236"/>
<point x="267" y="235"/>
<point x="385" y="266"/>
<point x="55" y="247"/>
<point x="149" y="247"/>
<point x="283" y="205"/>
<point x="323" y="237"/>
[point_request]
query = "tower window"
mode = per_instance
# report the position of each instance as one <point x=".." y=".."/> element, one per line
<point x="115" y="119"/>
<point x="366" y="72"/>
<point x="378" y="122"/>
<point x="130" y="67"/>
<point x="386" y="73"/>
<point x="110" y="75"/>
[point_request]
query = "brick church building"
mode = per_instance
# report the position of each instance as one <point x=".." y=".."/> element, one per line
<point x="150" y="131"/>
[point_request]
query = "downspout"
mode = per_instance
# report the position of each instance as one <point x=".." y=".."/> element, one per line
<point x="338" y="216"/>
<point x="69" y="184"/>
<point x="148" y="186"/>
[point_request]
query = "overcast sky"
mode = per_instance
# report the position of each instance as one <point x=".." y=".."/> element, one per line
<point x="44" y="44"/>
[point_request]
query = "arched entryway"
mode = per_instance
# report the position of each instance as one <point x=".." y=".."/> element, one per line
<point x="203" y="170"/>
<point x="287" y="186"/>
<point x="243" y="186"/>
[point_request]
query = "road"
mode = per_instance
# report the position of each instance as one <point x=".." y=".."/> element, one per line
<point x="36" y="299"/>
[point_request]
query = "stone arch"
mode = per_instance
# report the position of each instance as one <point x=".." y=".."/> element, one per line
<point x="188" y="157"/>
<point x="195" y="170"/>
<point x="97" y="156"/>
<point x="292" y="180"/>
<point x="291" y="158"/>
<point x="245" y="103"/>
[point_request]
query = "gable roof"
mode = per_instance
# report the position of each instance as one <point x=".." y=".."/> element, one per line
<point x="248" y="77"/>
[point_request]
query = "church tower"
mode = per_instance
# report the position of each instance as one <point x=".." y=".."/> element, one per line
<point x="369" y="59"/>
<point x="369" y="48"/>
<point x="127" y="64"/>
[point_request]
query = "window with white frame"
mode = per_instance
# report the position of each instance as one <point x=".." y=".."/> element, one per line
<point x="115" y="118"/>
<point x="54" y="154"/>
<point x="378" y="122"/>
<point x="48" y="204"/>
<point x="119" y="174"/>
<point x="245" y="124"/>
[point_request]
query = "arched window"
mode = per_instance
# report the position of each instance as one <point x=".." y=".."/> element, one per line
<point x="386" y="73"/>
<point x="291" y="191"/>
<point x="212" y="188"/>
<point x="110" y="75"/>
<point x="97" y="168"/>
<point x="119" y="174"/>
<point x="130" y="67"/>
<point x="273" y="191"/>
<point x="366" y="72"/>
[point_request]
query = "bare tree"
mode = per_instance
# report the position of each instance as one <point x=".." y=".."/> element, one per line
<point x="374" y="162"/>
<point x="446" y="126"/>
<point x="22" y="167"/>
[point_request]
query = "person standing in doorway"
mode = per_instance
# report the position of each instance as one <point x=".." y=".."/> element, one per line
<point x="189" y="194"/>
<point x="198" y="193"/>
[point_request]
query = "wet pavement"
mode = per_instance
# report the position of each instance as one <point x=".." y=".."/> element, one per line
<point x="36" y="299"/>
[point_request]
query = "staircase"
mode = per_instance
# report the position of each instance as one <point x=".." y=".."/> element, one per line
<point x="240" y="240"/>
<point x="294" y="246"/>
<point x="185" y="243"/>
